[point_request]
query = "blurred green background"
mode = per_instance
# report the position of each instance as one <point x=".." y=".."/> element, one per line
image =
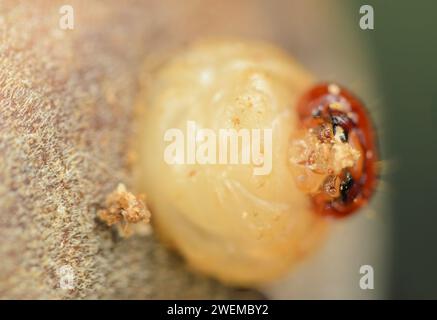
<point x="404" y="49"/>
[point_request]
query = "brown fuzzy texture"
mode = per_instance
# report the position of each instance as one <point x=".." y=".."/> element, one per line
<point x="66" y="102"/>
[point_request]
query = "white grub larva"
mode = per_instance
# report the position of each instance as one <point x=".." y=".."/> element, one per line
<point x="239" y="227"/>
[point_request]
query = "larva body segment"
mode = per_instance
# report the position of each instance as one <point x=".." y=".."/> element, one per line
<point x="226" y="221"/>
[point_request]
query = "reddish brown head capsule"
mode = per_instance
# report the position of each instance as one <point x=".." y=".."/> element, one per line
<point x="328" y="111"/>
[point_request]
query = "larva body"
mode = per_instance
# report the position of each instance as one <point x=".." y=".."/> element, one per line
<point x="227" y="221"/>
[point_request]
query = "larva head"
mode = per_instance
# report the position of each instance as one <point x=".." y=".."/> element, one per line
<point x="334" y="154"/>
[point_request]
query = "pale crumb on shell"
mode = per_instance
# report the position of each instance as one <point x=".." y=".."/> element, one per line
<point x="334" y="89"/>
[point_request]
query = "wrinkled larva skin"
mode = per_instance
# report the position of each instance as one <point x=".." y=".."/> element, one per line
<point x="227" y="222"/>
